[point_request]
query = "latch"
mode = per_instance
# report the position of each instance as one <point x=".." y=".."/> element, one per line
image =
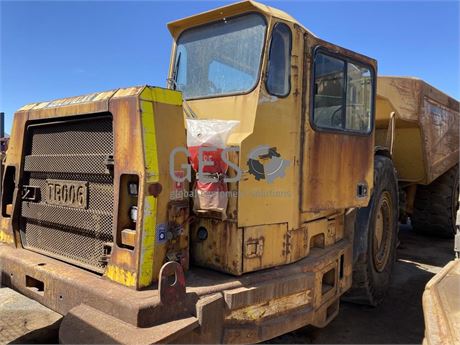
<point x="361" y="190"/>
<point x="108" y="246"/>
<point x="109" y="163"/>
<point x="30" y="193"/>
<point x="331" y="228"/>
<point x="254" y="248"/>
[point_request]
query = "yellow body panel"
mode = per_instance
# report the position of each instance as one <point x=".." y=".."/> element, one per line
<point x="158" y="120"/>
<point x="322" y="175"/>
<point x="264" y="246"/>
<point x="221" y="250"/>
<point x="407" y="156"/>
<point x="6" y="237"/>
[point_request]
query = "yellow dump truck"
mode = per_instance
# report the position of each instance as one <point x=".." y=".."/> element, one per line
<point x="109" y="218"/>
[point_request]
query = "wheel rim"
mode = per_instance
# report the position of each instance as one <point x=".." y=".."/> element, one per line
<point x="383" y="232"/>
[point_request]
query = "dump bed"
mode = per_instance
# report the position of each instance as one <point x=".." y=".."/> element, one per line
<point x="426" y="141"/>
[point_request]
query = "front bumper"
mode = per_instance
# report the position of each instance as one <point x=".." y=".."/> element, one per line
<point x="217" y="307"/>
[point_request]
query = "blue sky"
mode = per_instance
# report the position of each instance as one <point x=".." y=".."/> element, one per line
<point x="58" y="49"/>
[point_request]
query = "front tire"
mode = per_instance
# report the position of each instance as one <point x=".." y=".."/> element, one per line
<point x="376" y="232"/>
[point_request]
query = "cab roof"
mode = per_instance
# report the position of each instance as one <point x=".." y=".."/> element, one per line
<point x="176" y="27"/>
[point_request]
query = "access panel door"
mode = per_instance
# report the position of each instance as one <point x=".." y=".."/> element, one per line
<point x="338" y="144"/>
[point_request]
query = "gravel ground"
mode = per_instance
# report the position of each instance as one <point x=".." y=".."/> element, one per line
<point x="24" y="321"/>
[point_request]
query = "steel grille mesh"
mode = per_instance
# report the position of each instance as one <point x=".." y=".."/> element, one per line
<point x="74" y="137"/>
<point x="75" y="235"/>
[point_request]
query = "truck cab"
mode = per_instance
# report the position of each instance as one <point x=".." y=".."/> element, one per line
<point x="309" y="101"/>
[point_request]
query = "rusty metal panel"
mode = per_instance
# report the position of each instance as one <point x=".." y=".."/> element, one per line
<point x="334" y="164"/>
<point x="72" y="106"/>
<point x="297" y="244"/>
<point x="440" y="126"/>
<point x="128" y="158"/>
<point x="71" y="216"/>
<point x="264" y="246"/>
<point x="263" y="292"/>
<point x="427" y="121"/>
<point x="144" y="119"/>
<point x="221" y="249"/>
<point x="271" y="307"/>
<point x="171" y="209"/>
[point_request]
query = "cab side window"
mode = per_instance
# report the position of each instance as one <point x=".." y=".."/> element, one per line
<point x="342" y="94"/>
<point x="329" y="92"/>
<point x="278" y="81"/>
<point x="359" y="98"/>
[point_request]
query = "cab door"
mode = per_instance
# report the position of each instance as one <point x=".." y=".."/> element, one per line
<point x="338" y="146"/>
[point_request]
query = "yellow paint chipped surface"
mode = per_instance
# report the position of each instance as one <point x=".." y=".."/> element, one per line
<point x="6" y="238"/>
<point x="121" y="275"/>
<point x="150" y="142"/>
<point x="166" y="96"/>
<point x="150" y="203"/>
<point x="272" y="307"/>
<point x="148" y="241"/>
<point x="92" y="97"/>
<point x="129" y="91"/>
<point x="160" y="95"/>
<point x="148" y="97"/>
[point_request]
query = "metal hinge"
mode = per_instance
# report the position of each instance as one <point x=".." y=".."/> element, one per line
<point x="254" y="248"/>
<point x="109" y="163"/>
<point x="108" y="246"/>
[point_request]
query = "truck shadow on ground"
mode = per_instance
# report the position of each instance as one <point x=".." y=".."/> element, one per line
<point x="399" y="319"/>
<point x="46" y="335"/>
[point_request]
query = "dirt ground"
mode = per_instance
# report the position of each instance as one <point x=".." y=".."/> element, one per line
<point x="398" y="320"/>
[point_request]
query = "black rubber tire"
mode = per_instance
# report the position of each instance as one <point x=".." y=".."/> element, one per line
<point x="369" y="283"/>
<point x="436" y="205"/>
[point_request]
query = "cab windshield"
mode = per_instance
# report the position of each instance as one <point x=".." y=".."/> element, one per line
<point x="220" y="58"/>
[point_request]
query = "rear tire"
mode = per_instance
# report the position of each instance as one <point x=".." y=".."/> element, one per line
<point x="376" y="232"/>
<point x="436" y="205"/>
